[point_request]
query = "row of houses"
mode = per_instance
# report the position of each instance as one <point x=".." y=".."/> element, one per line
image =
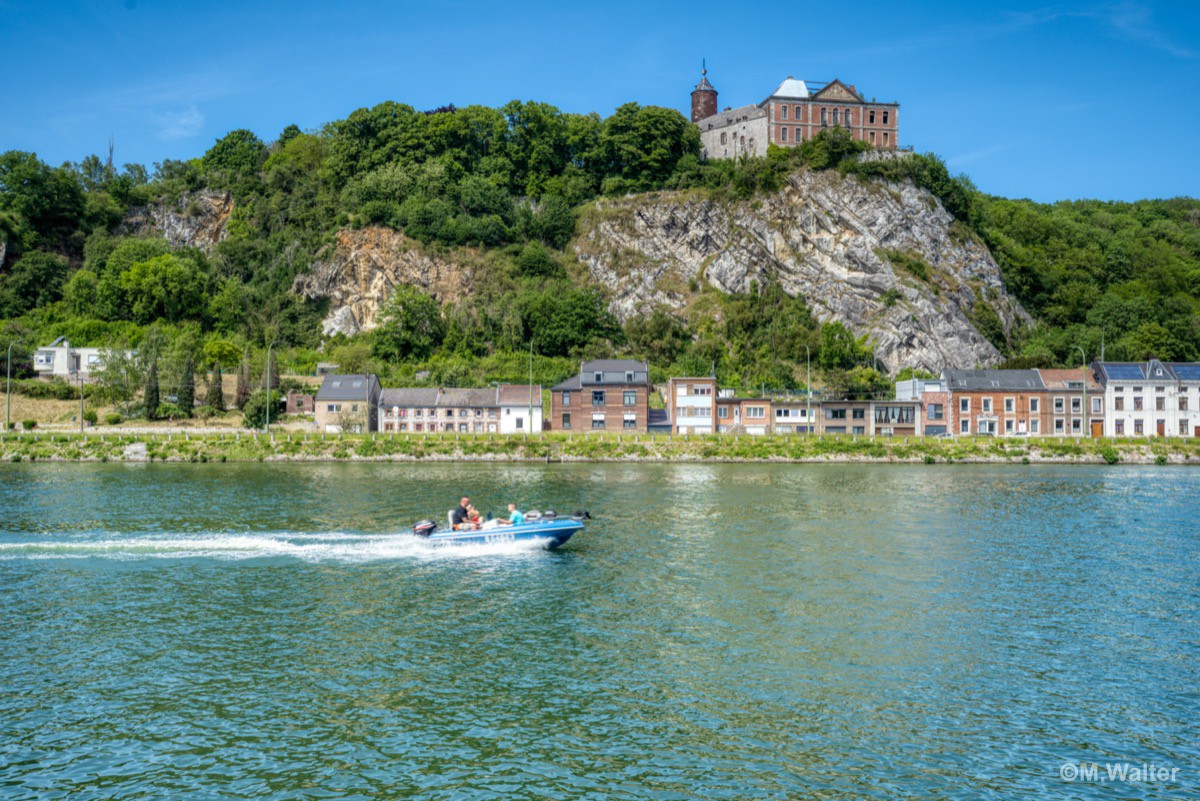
<point x="1110" y="399"/>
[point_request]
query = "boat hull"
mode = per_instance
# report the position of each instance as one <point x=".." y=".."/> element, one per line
<point x="553" y="533"/>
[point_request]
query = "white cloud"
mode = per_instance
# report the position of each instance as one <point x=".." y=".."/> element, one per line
<point x="181" y="124"/>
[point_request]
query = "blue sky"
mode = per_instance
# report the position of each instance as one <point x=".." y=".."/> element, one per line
<point x="1040" y="100"/>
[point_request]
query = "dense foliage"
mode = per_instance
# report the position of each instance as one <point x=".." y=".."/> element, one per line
<point x="506" y="183"/>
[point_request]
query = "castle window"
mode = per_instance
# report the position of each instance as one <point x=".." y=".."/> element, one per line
<point x="783" y="112"/>
<point x="872" y="137"/>
<point x="885" y="138"/>
<point x="824" y="117"/>
<point x="743" y="142"/>
<point x="885" y="118"/>
<point x="799" y="134"/>
<point x="723" y="138"/>
<point x="783" y="134"/>
<point x="849" y="120"/>
<point x="798" y="113"/>
<point x="871" y="116"/>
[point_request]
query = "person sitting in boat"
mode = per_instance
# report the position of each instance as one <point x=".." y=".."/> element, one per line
<point x="515" y="518"/>
<point x="473" y="516"/>
<point x="459" y="515"/>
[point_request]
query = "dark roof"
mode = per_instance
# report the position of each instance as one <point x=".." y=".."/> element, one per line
<point x="467" y="396"/>
<point x="657" y="417"/>
<point x="1152" y="370"/>
<point x="614" y="366"/>
<point x="1185" y="371"/>
<point x="570" y="385"/>
<point x="408" y="397"/>
<point x="346" y="387"/>
<point x="987" y="380"/>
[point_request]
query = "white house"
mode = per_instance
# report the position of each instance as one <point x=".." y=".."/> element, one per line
<point x="520" y="408"/>
<point x="1150" y="398"/>
<point x="60" y="360"/>
<point x="692" y="403"/>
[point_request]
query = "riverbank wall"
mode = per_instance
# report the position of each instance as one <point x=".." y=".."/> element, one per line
<point x="118" y="446"/>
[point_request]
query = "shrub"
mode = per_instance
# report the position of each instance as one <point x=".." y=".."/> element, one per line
<point x="168" y="411"/>
<point x="1160" y="459"/>
<point x="205" y="413"/>
<point x="90" y="416"/>
<point x="113" y="418"/>
<point x="29" y="425"/>
<point x="1110" y="455"/>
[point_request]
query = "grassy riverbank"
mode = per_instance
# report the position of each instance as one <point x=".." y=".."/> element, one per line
<point x="284" y="446"/>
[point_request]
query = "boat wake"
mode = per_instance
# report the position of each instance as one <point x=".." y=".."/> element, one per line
<point x="312" y="548"/>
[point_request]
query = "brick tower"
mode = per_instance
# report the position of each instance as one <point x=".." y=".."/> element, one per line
<point x="704" y="97"/>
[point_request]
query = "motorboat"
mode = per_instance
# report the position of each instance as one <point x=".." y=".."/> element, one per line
<point x="544" y="527"/>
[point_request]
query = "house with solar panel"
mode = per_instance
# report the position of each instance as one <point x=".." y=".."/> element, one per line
<point x="347" y="403"/>
<point x="1151" y="398"/>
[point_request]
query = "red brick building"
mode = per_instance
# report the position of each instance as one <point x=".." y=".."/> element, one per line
<point x="607" y="395"/>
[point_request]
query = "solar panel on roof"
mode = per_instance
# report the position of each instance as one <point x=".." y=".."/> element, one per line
<point x="1188" y="372"/>
<point x="1124" y="372"/>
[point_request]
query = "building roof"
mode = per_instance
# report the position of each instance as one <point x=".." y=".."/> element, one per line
<point x="1059" y="379"/>
<point x="1185" y="371"/>
<point x="570" y="385"/>
<point x="613" y="366"/>
<point x="346" y="387"/>
<point x="986" y="380"/>
<point x="792" y="89"/>
<point x="408" y="397"/>
<point x="518" y="394"/>
<point x="732" y="116"/>
<point x="1152" y="370"/>
<point x="704" y="85"/>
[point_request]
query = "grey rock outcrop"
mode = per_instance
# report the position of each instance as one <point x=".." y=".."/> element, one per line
<point x="198" y="219"/>
<point x="825" y="237"/>
<point x="359" y="271"/>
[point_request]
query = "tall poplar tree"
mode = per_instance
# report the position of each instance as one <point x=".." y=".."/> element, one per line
<point x="242" y="394"/>
<point x="151" y="395"/>
<point x="186" y="396"/>
<point x="216" y="393"/>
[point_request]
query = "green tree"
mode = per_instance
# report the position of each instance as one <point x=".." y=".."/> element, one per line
<point x="150" y="398"/>
<point x="255" y="411"/>
<point x="36" y="280"/>
<point x="839" y="349"/>
<point x="242" y="391"/>
<point x="166" y="287"/>
<point x="121" y="373"/>
<point x="216" y="394"/>
<point x="642" y="145"/>
<point x="410" y="326"/>
<point x="237" y="153"/>
<point x="187" y="387"/>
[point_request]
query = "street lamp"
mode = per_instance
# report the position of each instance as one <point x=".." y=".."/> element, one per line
<point x="530" y="385"/>
<point x="1086" y="420"/>
<point x="268" y="387"/>
<point x="8" y="389"/>
<point x="808" y="389"/>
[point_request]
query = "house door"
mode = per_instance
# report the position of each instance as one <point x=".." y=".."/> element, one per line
<point x="1197" y="431"/>
<point x="1097" y="429"/>
<point x="1162" y="428"/>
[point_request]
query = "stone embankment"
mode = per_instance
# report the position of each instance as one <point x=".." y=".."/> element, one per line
<point x="240" y="446"/>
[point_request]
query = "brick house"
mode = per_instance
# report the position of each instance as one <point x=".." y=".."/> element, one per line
<point x="607" y="395"/>
<point x="934" y="406"/>
<point x="790" y="414"/>
<point x="1066" y="396"/>
<point x="794" y="113"/>
<point x="845" y="417"/>
<point x="995" y="402"/>
<point x="300" y="402"/>
<point x="347" y="403"/>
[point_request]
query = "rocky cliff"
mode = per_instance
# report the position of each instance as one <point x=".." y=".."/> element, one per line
<point x="197" y="219"/>
<point x="883" y="259"/>
<point x="358" y="272"/>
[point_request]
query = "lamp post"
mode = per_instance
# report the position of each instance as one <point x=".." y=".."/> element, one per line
<point x="268" y="387"/>
<point x="79" y="375"/>
<point x="808" y="389"/>
<point x="8" y="388"/>
<point x="531" y="385"/>
<point x="1086" y="420"/>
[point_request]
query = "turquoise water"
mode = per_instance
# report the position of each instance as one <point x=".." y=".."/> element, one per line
<point x="719" y="632"/>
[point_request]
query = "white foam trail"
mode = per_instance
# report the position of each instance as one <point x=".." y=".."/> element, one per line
<point x="305" y="547"/>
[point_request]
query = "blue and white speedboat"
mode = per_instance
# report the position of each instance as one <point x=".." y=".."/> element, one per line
<point x="549" y="530"/>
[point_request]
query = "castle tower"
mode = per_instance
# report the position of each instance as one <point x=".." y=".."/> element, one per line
<point x="704" y="97"/>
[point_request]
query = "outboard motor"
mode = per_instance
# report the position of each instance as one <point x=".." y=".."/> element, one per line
<point x="424" y="528"/>
<point x="581" y="514"/>
<point x="549" y="514"/>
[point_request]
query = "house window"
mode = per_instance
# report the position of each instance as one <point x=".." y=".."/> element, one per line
<point x="885" y="119"/>
<point x="597" y="421"/>
<point x="1119" y="404"/>
<point x="859" y="414"/>
<point x="464" y="427"/>
<point x="1076" y="426"/>
<point x="871" y="116"/>
<point x="599" y="377"/>
<point x="1120" y="427"/>
<point x="1160" y="404"/>
<point x="629" y="421"/>
<point x="799" y="114"/>
<point x="332" y="407"/>
<point x="1035" y="404"/>
<point x="783" y="134"/>
<point x="1008" y="426"/>
<point x="885" y="138"/>
<point x="1183" y="404"/>
<point x="1137" y="426"/>
<point x="1096" y="407"/>
<point x="722" y="412"/>
<point x="629" y="397"/>
<point x="964" y="426"/>
<point x="1010" y="405"/>
<point x="1060" y="405"/>
<point x="1183" y="428"/>
<point x="566" y="399"/>
<point x="872" y="137"/>
<point x="783" y="112"/>
<point x="935" y="411"/>
<point x="629" y="377"/>
<point x="1035" y="426"/>
<point x="964" y="405"/>
<point x="566" y="421"/>
<point x="987" y="405"/>
<point x="597" y="397"/>
<point x="799" y="134"/>
<point x="1137" y="403"/>
<point x="1076" y="405"/>
<point x="520" y="423"/>
<point x="836" y="414"/>
<point x="1059" y="425"/>
<point x="755" y="413"/>
<point x="43" y="359"/>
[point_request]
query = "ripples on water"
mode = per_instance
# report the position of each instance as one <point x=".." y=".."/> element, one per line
<point x="719" y="632"/>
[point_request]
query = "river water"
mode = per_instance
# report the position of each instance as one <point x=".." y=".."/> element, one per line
<point x="719" y="632"/>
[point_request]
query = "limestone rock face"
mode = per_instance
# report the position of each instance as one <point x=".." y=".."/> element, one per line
<point x="823" y="237"/>
<point x="360" y="270"/>
<point x="197" y="219"/>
